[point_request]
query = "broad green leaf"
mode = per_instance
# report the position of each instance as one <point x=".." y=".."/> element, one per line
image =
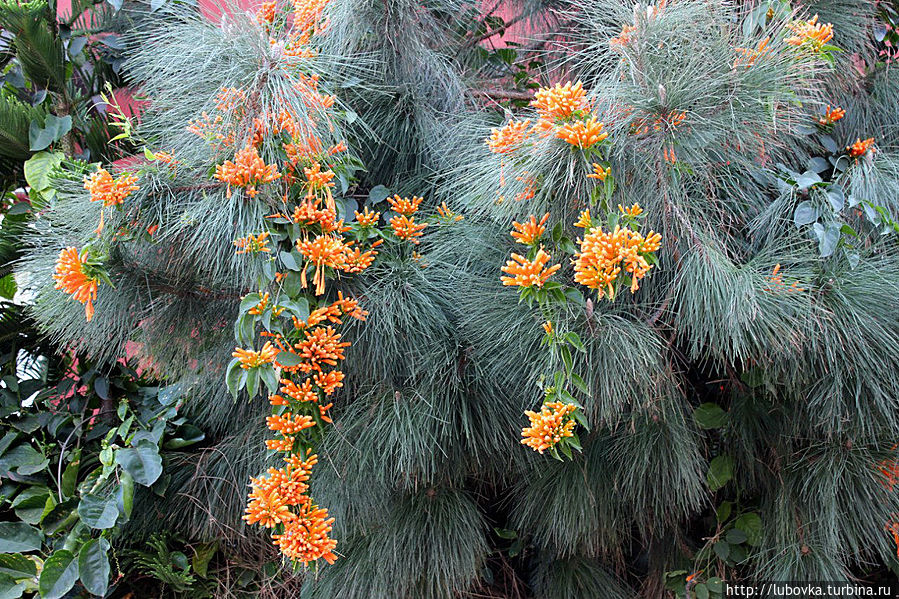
<point x="59" y="575"/>
<point x="38" y="167"/>
<point x="805" y="214"/>
<point x="722" y="549"/>
<point x="285" y="358"/>
<point x="721" y="470"/>
<point x="709" y="416"/>
<point x="735" y="536"/>
<point x="16" y="537"/>
<point x="93" y="564"/>
<point x="142" y="462"/>
<point x="9" y="588"/>
<point x="202" y="555"/>
<point x="378" y="193"/>
<point x="98" y="512"/>
<point x="8" y="286"/>
<point x="54" y="128"/>
<point x="751" y="524"/>
<point x="18" y="566"/>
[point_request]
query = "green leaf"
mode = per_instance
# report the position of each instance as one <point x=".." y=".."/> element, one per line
<point x="17" y="565"/>
<point x="54" y="128"/>
<point x="735" y="536"/>
<point x="710" y="416"/>
<point x="289" y="261"/>
<point x="575" y="341"/>
<point x="9" y="588"/>
<point x="722" y="549"/>
<point x="378" y="194"/>
<point x="721" y="470"/>
<point x="142" y="462"/>
<point x="32" y="504"/>
<point x="202" y="556"/>
<point x="8" y="286"/>
<point x="38" y="168"/>
<point x="186" y="435"/>
<point x="232" y="376"/>
<point x="805" y="214"/>
<point x="16" y="537"/>
<point x="93" y="564"/>
<point x="701" y="591"/>
<point x="285" y="358"/>
<point x="505" y="533"/>
<point x="98" y="512"/>
<point x="126" y="487"/>
<point x="59" y="574"/>
<point x="751" y="524"/>
<point x="724" y="510"/>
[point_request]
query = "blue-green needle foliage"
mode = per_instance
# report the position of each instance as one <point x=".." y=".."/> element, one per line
<point x="424" y="457"/>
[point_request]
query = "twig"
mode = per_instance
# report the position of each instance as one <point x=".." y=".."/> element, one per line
<point x="502" y="94"/>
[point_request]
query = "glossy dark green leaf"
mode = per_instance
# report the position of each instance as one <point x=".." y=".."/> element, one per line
<point x="98" y="512"/>
<point x="59" y="575"/>
<point x="16" y="537"/>
<point x="142" y="462"/>
<point x="93" y="566"/>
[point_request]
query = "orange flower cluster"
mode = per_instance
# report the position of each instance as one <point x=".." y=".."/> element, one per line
<point x="404" y="225"/>
<point x="325" y="251"/>
<point x="831" y="115"/>
<point x="549" y="426"/>
<point x="776" y="282"/>
<point x="289" y="424"/>
<point x="600" y="172"/>
<point x="527" y="273"/>
<point x="254" y="359"/>
<point x="748" y="56"/>
<point x="604" y="255"/>
<point x="530" y="231"/>
<point x="583" y="134"/>
<point x="860" y="148"/>
<point x="112" y="192"/>
<point x="305" y="529"/>
<point x="809" y="34"/>
<point x="561" y="101"/>
<point x="253" y="244"/>
<point x="248" y="170"/>
<point x="321" y="347"/>
<point x="563" y="111"/>
<point x="318" y="182"/>
<point x="367" y="218"/>
<point x="623" y="38"/>
<point x="446" y="213"/>
<point x="72" y="277"/>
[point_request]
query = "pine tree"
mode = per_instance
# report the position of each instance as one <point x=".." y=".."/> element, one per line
<point x="732" y="395"/>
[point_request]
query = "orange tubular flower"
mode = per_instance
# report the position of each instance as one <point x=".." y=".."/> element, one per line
<point x="550" y="426"/>
<point x="248" y="170"/>
<point x="70" y="277"/>
<point x="560" y="102"/>
<point x="831" y="115"/>
<point x="508" y="138"/>
<point x="526" y="273"/>
<point x="305" y="537"/>
<point x="603" y="256"/>
<point x="289" y="424"/>
<point x="404" y="206"/>
<point x="748" y="56"/>
<point x="329" y="381"/>
<point x="634" y="211"/>
<point x="529" y="233"/>
<point x="357" y="260"/>
<point x="322" y="346"/>
<point x="583" y="134"/>
<point x="623" y="38"/>
<point x="253" y="244"/>
<point x="254" y="359"/>
<point x="266" y="13"/>
<point x="260" y="307"/>
<point x="600" y="172"/>
<point x="267" y="508"/>
<point x="367" y="218"/>
<point x="111" y="192"/>
<point x="583" y="220"/>
<point x="319" y="180"/>
<point x="323" y="251"/>
<point x="810" y="34"/>
<point x="548" y="327"/>
<point x="302" y="393"/>
<point x="444" y="211"/>
<point x="407" y="229"/>
<point x="860" y="148"/>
